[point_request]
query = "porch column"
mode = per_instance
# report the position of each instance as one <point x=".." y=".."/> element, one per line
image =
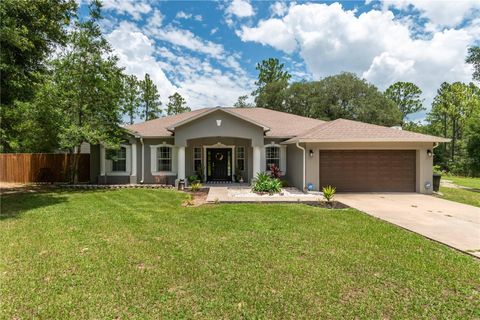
<point x="256" y="161"/>
<point x="102" y="160"/>
<point x="181" y="163"/>
<point x="133" y="171"/>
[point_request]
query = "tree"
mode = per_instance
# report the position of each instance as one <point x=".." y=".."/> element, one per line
<point x="452" y="108"/>
<point x="472" y="137"/>
<point x="242" y="102"/>
<point x="347" y="96"/>
<point x="177" y="104"/>
<point x="272" y="82"/>
<point x="150" y="99"/>
<point x="29" y="32"/>
<point x="406" y="96"/>
<point x="88" y="85"/>
<point x="474" y="59"/>
<point x="131" y="98"/>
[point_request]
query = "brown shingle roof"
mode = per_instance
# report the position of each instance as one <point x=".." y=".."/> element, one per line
<point x="342" y="130"/>
<point x="280" y="124"/>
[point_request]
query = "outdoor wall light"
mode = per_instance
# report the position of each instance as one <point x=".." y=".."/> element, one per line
<point x="429" y="153"/>
<point x="311" y="153"/>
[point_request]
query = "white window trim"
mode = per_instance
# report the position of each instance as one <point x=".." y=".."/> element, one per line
<point x="243" y="158"/>
<point x="283" y="157"/>
<point x="108" y="163"/>
<point x="193" y="156"/>
<point x="154" y="162"/>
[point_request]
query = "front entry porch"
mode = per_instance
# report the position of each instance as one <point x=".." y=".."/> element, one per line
<point x="217" y="160"/>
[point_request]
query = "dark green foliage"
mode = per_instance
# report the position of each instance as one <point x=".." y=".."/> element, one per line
<point x="474" y="59"/>
<point x="342" y="96"/>
<point x="452" y="109"/>
<point x="272" y="82"/>
<point x="263" y="182"/>
<point x="407" y="98"/>
<point x="150" y="99"/>
<point x="242" y="102"/>
<point x="29" y="32"/>
<point x="177" y="104"/>
<point x="131" y="97"/>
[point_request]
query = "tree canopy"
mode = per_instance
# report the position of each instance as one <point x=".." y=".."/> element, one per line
<point x="176" y="104"/>
<point x="407" y="98"/>
<point x="29" y="32"/>
<point x="474" y="59"/>
<point x="152" y="106"/>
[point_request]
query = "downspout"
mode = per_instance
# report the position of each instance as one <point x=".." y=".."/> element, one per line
<point x="304" y="172"/>
<point x="143" y="160"/>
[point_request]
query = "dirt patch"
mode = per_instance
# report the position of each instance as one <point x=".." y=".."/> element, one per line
<point x="196" y="198"/>
<point x="326" y="205"/>
<point x="13" y="187"/>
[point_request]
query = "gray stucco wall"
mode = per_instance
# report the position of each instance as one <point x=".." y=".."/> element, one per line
<point x="206" y="126"/>
<point x="148" y="177"/>
<point x="295" y="166"/>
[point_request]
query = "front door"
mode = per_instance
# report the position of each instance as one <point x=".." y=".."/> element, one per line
<point x="219" y="164"/>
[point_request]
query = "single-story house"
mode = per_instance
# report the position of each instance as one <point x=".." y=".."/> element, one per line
<point x="223" y="144"/>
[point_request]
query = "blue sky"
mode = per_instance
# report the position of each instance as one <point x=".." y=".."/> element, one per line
<point x="207" y="51"/>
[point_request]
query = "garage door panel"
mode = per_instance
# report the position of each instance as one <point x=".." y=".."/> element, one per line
<point x="368" y="170"/>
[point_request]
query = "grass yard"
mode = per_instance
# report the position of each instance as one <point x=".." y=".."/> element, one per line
<point x="464" y="181"/>
<point x="467" y="196"/>
<point x="140" y="254"/>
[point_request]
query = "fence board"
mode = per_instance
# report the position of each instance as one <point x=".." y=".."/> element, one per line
<point x="41" y="167"/>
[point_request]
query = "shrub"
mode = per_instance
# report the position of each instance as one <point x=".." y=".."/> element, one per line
<point x="195" y="186"/>
<point x="275" y="171"/>
<point x="328" y="193"/>
<point x="193" y="178"/>
<point x="264" y="183"/>
<point x="285" y="183"/>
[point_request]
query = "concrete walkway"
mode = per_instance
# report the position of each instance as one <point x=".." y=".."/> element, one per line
<point x="243" y="194"/>
<point x="452" y="223"/>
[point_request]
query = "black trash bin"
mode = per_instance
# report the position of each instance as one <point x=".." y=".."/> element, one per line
<point x="436" y="181"/>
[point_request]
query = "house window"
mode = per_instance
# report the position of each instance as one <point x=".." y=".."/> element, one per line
<point x="197" y="159"/>
<point x="164" y="159"/>
<point x="272" y="157"/>
<point x="241" y="158"/>
<point x="119" y="159"/>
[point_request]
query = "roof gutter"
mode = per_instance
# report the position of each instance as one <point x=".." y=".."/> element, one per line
<point x="303" y="164"/>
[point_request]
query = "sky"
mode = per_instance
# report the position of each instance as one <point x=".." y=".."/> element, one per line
<point x="207" y="51"/>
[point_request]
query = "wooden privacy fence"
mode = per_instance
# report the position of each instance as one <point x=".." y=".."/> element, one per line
<point x="41" y="167"/>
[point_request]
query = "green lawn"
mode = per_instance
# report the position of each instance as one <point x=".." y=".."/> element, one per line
<point x="140" y="254"/>
<point x="463" y="181"/>
<point x="471" y="197"/>
<point x="467" y="196"/>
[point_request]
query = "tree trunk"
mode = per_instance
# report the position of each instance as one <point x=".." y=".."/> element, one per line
<point x="75" y="166"/>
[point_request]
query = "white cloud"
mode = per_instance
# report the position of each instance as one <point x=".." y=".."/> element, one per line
<point x="185" y="38"/>
<point x="183" y="15"/>
<point x="213" y="31"/>
<point x="374" y="45"/>
<point x="136" y="53"/>
<point x="441" y="13"/>
<point x="279" y="8"/>
<point x="240" y="8"/>
<point x="198" y="17"/>
<point x="273" y="32"/>
<point x="132" y="7"/>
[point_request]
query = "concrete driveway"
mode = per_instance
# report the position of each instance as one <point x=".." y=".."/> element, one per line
<point x="452" y="223"/>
